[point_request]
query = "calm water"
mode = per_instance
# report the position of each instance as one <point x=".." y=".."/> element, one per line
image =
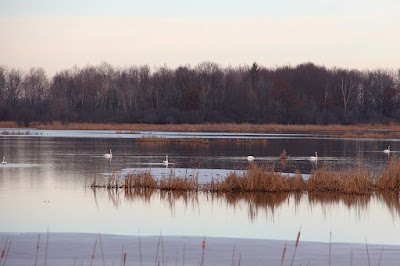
<point x="45" y="184"/>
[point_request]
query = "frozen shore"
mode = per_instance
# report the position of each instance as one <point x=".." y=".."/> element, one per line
<point x="78" y="249"/>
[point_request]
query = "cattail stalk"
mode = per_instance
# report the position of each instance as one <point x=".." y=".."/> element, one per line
<point x="140" y="250"/>
<point x="330" y="244"/>
<point x="283" y="254"/>
<point x="233" y="255"/>
<point x="3" y="251"/>
<point x="297" y="244"/>
<point x="93" y="253"/>
<point x="47" y="246"/>
<point x="366" y="247"/>
<point x="37" y="249"/>
<point x="101" y="249"/>
<point x="203" y="245"/>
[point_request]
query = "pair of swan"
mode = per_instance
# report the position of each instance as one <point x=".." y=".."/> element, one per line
<point x="109" y="155"/>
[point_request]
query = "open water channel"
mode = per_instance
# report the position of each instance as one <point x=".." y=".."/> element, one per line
<point x="46" y="184"/>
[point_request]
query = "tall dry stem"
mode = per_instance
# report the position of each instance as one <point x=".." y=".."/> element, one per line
<point x="283" y="254"/>
<point x="295" y="248"/>
<point x="366" y="247"/>
<point x="37" y="250"/>
<point x="47" y="246"/>
<point x="93" y="253"/>
<point x="101" y="250"/>
<point x="140" y="250"/>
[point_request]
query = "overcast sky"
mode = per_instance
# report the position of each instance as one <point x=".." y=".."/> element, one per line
<point x="56" y="34"/>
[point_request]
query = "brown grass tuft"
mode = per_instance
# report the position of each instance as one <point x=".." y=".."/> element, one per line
<point x="390" y="180"/>
<point x="284" y="155"/>
<point x="191" y="141"/>
<point x="348" y="181"/>
<point x="141" y="180"/>
<point x="261" y="179"/>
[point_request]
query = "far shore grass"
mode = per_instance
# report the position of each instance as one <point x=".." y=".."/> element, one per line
<point x="391" y="130"/>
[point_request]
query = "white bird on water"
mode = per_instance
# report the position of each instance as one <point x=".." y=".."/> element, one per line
<point x="314" y="158"/>
<point x="108" y="155"/>
<point x="387" y="150"/>
<point x="4" y="160"/>
<point x="166" y="160"/>
<point x="250" y="158"/>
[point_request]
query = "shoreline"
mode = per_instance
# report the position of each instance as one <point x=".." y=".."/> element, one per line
<point x="210" y="127"/>
<point x="71" y="248"/>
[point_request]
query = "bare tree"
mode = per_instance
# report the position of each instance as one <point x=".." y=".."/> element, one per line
<point x="3" y="85"/>
<point x="13" y="86"/>
<point x="347" y="84"/>
<point x="35" y="86"/>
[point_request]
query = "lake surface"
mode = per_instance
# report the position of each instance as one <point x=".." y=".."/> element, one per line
<point x="45" y="184"/>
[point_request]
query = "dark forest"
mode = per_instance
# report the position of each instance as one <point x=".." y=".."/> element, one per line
<point x="207" y="92"/>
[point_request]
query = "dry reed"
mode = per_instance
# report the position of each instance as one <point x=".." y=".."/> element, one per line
<point x="201" y="141"/>
<point x="15" y="133"/>
<point x="295" y="248"/>
<point x="260" y="179"/>
<point x="37" y="250"/>
<point x="283" y="254"/>
<point x="348" y="181"/>
<point x="351" y="181"/>
<point x="284" y="155"/>
<point x="390" y="180"/>
<point x="192" y="141"/>
<point x="378" y="129"/>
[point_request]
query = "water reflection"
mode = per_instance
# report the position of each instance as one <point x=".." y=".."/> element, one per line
<point x="59" y="170"/>
<point x="256" y="202"/>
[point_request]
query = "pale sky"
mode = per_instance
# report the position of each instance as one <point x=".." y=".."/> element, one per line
<point x="55" y="34"/>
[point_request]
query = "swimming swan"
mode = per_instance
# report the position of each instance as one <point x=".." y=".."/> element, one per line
<point x="166" y="160"/>
<point x="108" y="155"/>
<point x="4" y="160"/>
<point x="250" y="158"/>
<point x="387" y="150"/>
<point x="314" y="158"/>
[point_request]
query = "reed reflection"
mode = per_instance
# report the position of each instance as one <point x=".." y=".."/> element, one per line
<point x="257" y="203"/>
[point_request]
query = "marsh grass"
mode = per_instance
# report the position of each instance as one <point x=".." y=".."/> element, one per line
<point x="16" y="133"/>
<point x="284" y="155"/>
<point x="142" y="180"/>
<point x="352" y="181"/>
<point x="349" y="131"/>
<point x="259" y="179"/>
<point x="201" y="141"/>
<point x="390" y="179"/>
<point x="192" y="141"/>
<point x="347" y="181"/>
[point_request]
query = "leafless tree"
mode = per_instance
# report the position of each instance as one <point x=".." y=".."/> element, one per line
<point x="14" y="86"/>
<point x="35" y="86"/>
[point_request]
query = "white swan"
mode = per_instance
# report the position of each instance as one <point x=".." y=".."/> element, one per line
<point x="250" y="158"/>
<point x="4" y="160"/>
<point x="166" y="160"/>
<point x="108" y="155"/>
<point x="313" y="158"/>
<point x="387" y="150"/>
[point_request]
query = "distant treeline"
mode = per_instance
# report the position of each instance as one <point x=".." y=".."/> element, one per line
<point x="207" y="92"/>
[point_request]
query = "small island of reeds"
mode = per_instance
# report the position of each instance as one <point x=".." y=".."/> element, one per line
<point x="355" y="181"/>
